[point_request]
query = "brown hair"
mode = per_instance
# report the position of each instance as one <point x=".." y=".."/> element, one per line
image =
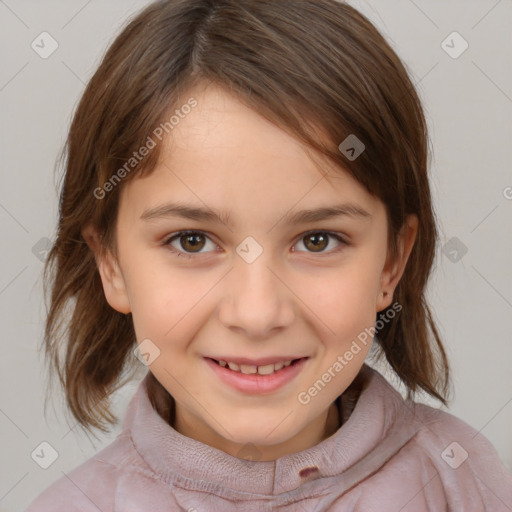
<point x="312" y="67"/>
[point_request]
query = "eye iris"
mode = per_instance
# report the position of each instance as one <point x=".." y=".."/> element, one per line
<point x="193" y="240"/>
<point x="319" y="241"/>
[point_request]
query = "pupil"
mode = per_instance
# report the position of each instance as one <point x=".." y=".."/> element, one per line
<point x="319" y="241"/>
<point x="193" y="241"/>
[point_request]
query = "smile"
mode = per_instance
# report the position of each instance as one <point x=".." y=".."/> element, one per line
<point x="248" y="369"/>
<point x="256" y="379"/>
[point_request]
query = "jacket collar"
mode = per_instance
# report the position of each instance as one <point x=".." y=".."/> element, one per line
<point x="375" y="426"/>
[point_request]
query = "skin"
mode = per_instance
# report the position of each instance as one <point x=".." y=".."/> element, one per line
<point x="295" y="298"/>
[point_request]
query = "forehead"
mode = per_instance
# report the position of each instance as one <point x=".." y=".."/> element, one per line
<point x="225" y="156"/>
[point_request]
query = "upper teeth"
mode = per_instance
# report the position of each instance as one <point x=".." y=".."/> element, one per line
<point x="261" y="370"/>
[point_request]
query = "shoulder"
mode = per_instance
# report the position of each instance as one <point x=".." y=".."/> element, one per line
<point x="446" y="460"/>
<point x="441" y="429"/>
<point x="465" y="461"/>
<point x="92" y="485"/>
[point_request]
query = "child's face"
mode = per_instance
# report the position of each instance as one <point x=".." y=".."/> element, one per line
<point x="301" y="297"/>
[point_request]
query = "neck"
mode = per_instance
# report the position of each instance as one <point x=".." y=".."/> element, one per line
<point x="318" y="430"/>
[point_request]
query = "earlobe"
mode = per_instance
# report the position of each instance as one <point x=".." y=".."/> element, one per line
<point x="113" y="281"/>
<point x="394" y="268"/>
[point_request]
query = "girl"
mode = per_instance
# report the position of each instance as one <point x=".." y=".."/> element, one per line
<point x="245" y="213"/>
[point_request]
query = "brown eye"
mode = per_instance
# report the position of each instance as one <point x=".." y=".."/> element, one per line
<point x="316" y="242"/>
<point x="192" y="242"/>
<point x="189" y="243"/>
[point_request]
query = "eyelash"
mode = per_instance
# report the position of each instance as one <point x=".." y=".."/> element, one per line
<point x="179" y="253"/>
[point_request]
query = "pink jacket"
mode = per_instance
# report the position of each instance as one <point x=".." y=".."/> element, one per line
<point x="390" y="455"/>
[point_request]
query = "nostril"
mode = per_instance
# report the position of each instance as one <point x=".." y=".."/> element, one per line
<point x="305" y="472"/>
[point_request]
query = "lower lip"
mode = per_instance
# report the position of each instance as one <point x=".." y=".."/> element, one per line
<point x="255" y="383"/>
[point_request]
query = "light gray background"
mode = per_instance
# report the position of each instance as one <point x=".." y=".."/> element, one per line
<point x="468" y="105"/>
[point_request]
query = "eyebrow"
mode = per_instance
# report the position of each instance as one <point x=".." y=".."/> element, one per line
<point x="209" y="215"/>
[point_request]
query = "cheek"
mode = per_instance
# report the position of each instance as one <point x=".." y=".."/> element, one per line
<point x="166" y="301"/>
<point x="343" y="301"/>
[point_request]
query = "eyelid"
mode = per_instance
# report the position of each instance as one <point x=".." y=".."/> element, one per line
<point x="340" y="237"/>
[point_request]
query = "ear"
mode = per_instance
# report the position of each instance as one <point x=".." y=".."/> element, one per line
<point x="394" y="267"/>
<point x="112" y="278"/>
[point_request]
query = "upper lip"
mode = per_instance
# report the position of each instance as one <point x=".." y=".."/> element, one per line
<point x="262" y="361"/>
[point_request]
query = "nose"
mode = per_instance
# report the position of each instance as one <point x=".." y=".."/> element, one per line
<point x="256" y="299"/>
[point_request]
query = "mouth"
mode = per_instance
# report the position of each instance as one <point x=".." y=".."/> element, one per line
<point x="252" y="379"/>
<point x="250" y="369"/>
